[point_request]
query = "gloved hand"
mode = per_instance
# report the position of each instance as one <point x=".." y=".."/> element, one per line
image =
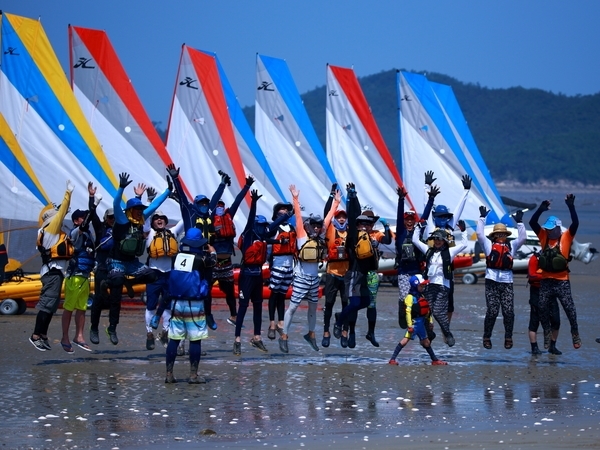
<point x="170" y="187"/>
<point x="249" y="180"/>
<point x="97" y="199"/>
<point x="466" y="181"/>
<point x="334" y="187"/>
<point x="411" y="330"/>
<point x="570" y="200"/>
<point x="173" y="171"/>
<point x="350" y="187"/>
<point x="70" y="186"/>
<point x="151" y="194"/>
<point x="401" y="191"/>
<point x="462" y="226"/>
<point x="429" y="177"/>
<point x="518" y="216"/>
<point x="483" y="211"/>
<point x="254" y="195"/>
<point x="433" y="192"/>
<point x="124" y="180"/>
<point x="544" y="206"/>
<point x="384" y="222"/>
<point x="225" y="179"/>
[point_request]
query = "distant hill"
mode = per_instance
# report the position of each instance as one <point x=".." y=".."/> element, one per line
<point x="524" y="135"/>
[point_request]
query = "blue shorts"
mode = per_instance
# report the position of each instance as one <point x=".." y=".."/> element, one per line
<point x="418" y="330"/>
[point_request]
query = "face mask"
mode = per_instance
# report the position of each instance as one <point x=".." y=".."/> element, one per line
<point x="554" y="233"/>
<point x="203" y="209"/>
<point x="338" y="226"/>
<point x="219" y="211"/>
<point x="441" y="222"/>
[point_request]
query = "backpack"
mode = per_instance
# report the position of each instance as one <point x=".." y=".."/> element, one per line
<point x="255" y="254"/>
<point x="552" y="260"/>
<point x="163" y="244"/>
<point x="184" y="281"/>
<point x="364" y="247"/>
<point x="224" y="226"/>
<point x="311" y="251"/>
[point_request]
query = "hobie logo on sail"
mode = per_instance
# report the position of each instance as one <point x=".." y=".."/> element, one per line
<point x="11" y="51"/>
<point x="405" y="98"/>
<point x="187" y="82"/>
<point x="82" y="63"/>
<point x="265" y="86"/>
<point x="333" y="93"/>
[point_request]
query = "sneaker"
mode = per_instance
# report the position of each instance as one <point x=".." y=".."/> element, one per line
<point x="170" y="379"/>
<point x="271" y="333"/>
<point x="439" y="362"/>
<point x="231" y="322"/>
<point x="325" y="341"/>
<point x="450" y="340"/>
<point x="311" y="341"/>
<point x="181" y="349"/>
<point x="154" y="322"/>
<point x="38" y="344"/>
<point x="576" y="341"/>
<point x="337" y="329"/>
<point x="46" y="343"/>
<point x="237" y="348"/>
<point x="195" y="379"/>
<point x="94" y="337"/>
<point x="210" y="321"/>
<point x="371" y="338"/>
<point x="112" y="334"/>
<point x="150" y="341"/>
<point x="283" y="345"/>
<point x="393" y="362"/>
<point x="163" y="337"/>
<point x="536" y="351"/>
<point x="554" y="351"/>
<point x="352" y="340"/>
<point x="258" y="344"/>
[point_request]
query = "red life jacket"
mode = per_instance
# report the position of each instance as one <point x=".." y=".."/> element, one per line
<point x="286" y="249"/>
<point x="224" y="226"/>
<point x="255" y="254"/>
<point x="500" y="257"/>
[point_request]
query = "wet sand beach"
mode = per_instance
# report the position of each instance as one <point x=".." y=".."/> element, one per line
<point x="115" y="397"/>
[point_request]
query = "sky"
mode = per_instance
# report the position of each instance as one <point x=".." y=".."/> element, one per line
<point x="546" y="44"/>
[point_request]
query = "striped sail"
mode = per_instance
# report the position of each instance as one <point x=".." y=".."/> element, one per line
<point x="287" y="137"/>
<point x="200" y="138"/>
<point x="46" y="122"/>
<point x="355" y="147"/>
<point x="115" y="113"/>
<point x="434" y="138"/>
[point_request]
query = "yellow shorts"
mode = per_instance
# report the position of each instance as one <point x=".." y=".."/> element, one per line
<point x="77" y="292"/>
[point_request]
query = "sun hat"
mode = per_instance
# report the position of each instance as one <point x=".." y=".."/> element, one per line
<point x="193" y="238"/>
<point x="552" y="222"/>
<point x="499" y="228"/>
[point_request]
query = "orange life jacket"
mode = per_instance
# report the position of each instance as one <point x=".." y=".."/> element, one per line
<point x="63" y="249"/>
<point x="255" y="254"/>
<point x="500" y="257"/>
<point x="336" y="244"/>
<point x="286" y="249"/>
<point x="224" y="226"/>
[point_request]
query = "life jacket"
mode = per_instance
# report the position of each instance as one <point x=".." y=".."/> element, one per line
<point x="133" y="244"/>
<point x="83" y="260"/>
<point x="185" y="280"/>
<point x="63" y="249"/>
<point x="224" y="226"/>
<point x="285" y="249"/>
<point x="311" y="251"/>
<point x="256" y="253"/>
<point x="552" y="260"/>
<point x="446" y="263"/>
<point x="419" y="308"/>
<point x="336" y="244"/>
<point x="500" y="257"/>
<point x="364" y="248"/>
<point x="207" y="227"/>
<point x="163" y="244"/>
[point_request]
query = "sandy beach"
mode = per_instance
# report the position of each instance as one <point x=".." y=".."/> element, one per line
<point x="115" y="397"/>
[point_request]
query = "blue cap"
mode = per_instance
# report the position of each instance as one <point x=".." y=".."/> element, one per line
<point x="134" y="203"/>
<point x="260" y="219"/>
<point x="551" y="223"/>
<point x="200" y="197"/>
<point x="193" y="238"/>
